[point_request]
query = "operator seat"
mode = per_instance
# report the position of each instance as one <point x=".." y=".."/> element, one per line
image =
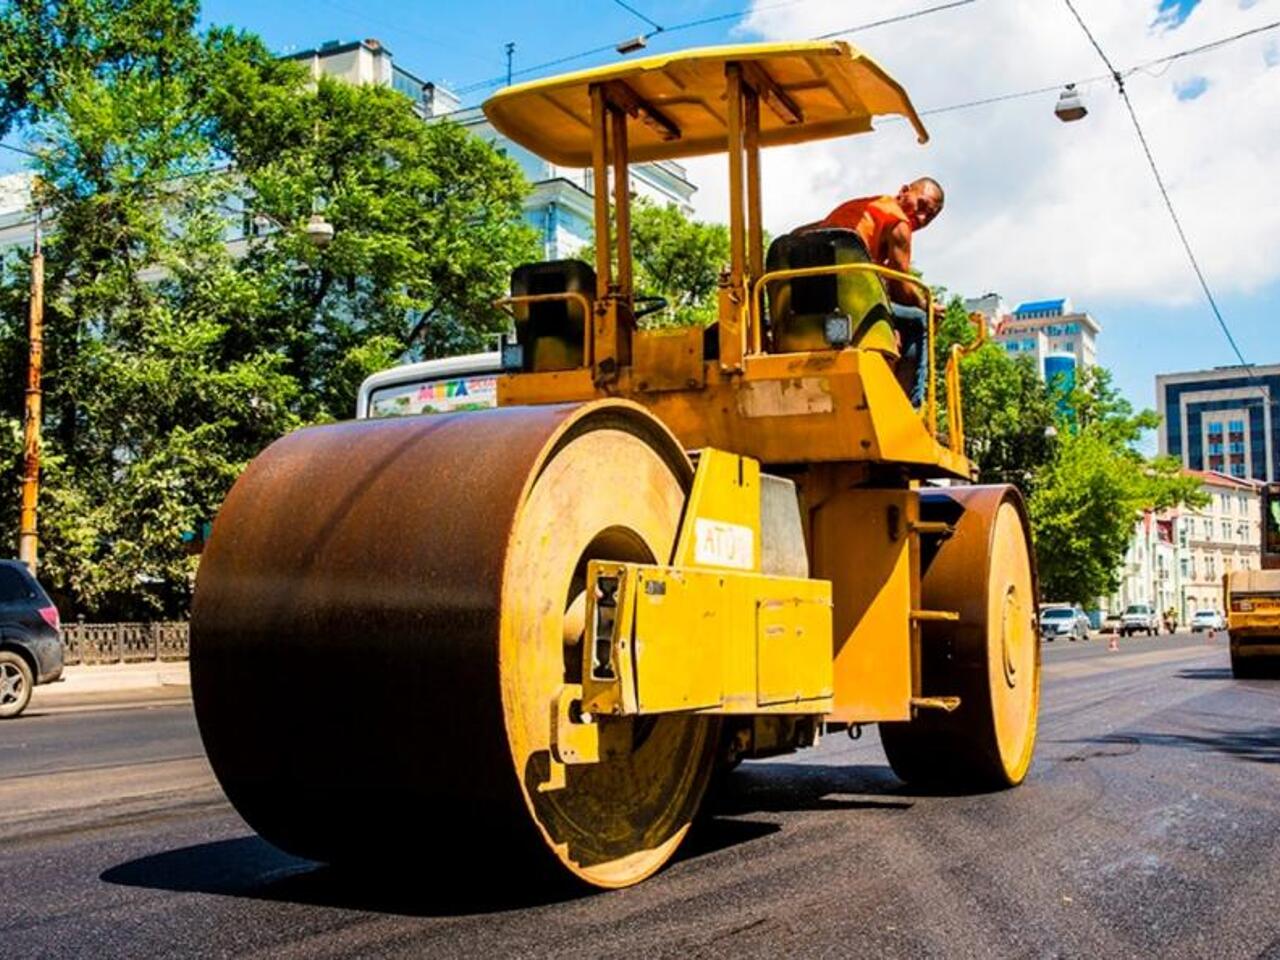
<point x="799" y="307"/>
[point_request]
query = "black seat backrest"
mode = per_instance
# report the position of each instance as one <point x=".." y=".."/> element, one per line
<point x="815" y="248"/>
<point x="552" y="332"/>
<point x="798" y="307"/>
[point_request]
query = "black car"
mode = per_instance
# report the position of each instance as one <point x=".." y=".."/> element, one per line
<point x="30" y="638"/>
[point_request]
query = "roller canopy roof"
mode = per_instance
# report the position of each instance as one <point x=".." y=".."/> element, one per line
<point x="808" y="91"/>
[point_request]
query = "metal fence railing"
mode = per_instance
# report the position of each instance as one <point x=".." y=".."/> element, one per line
<point x="124" y="642"/>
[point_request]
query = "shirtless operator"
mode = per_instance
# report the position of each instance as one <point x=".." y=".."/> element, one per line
<point x="886" y="225"/>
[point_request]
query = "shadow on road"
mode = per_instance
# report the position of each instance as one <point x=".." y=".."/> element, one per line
<point x="250" y="867"/>
<point x="1204" y="673"/>
<point x="777" y="787"/>
<point x="1259" y="745"/>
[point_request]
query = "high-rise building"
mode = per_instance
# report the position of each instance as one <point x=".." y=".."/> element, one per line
<point x="1059" y="339"/>
<point x="1226" y="419"/>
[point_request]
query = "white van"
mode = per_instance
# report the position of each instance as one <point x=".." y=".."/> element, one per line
<point x="469" y="382"/>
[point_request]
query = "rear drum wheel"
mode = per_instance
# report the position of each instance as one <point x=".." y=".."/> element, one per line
<point x="990" y="658"/>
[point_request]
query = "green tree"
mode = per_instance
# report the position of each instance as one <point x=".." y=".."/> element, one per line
<point x="677" y="258"/>
<point x="49" y="47"/>
<point x="1009" y="413"/>
<point x="1089" y="494"/>
<point x="428" y="227"/>
<point x="173" y="357"/>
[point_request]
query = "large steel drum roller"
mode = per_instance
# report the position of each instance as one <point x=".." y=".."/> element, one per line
<point x="385" y="614"/>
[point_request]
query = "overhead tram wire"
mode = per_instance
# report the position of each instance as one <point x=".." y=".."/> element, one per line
<point x="657" y="27"/>
<point x="1137" y="68"/>
<point x="22" y="150"/>
<point x="702" y="22"/>
<point x="938" y="8"/>
<point x="1118" y="78"/>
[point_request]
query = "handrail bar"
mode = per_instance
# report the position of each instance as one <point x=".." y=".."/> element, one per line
<point x="588" y="312"/>
<point x="930" y="411"/>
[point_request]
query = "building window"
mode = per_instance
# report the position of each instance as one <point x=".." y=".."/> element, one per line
<point x="1226" y="531"/>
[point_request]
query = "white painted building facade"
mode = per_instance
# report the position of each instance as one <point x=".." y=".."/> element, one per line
<point x="1177" y="558"/>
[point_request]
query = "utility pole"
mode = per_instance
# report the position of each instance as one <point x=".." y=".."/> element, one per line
<point x="511" y="52"/>
<point x="31" y="425"/>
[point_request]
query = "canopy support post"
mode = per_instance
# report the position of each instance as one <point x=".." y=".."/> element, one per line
<point x="600" y="188"/>
<point x="733" y="288"/>
<point x="604" y="330"/>
<point x="621" y="203"/>
<point x="755" y="224"/>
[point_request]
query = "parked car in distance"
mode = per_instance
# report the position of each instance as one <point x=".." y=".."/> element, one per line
<point x="1208" y="620"/>
<point x="30" y="638"/>
<point x="1063" y="620"/>
<point x="1139" y="618"/>
<point x="1110" y="624"/>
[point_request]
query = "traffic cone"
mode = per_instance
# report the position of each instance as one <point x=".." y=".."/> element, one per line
<point x="1114" y="643"/>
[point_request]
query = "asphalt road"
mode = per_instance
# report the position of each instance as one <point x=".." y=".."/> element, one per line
<point x="1150" y="825"/>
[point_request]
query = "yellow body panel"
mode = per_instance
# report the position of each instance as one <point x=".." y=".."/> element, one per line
<point x="670" y="358"/>
<point x="711" y="641"/>
<point x="1253" y="604"/>
<point x="709" y="633"/>
<point x="816" y="90"/>
<point x="829" y="405"/>
<point x="721" y="528"/>
<point x="860" y="543"/>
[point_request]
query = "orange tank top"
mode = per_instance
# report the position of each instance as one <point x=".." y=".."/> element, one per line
<point x="872" y="218"/>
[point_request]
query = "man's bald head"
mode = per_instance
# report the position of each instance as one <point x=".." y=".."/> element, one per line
<point x="922" y="200"/>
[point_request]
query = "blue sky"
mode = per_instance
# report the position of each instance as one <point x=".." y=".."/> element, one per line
<point x="1153" y="316"/>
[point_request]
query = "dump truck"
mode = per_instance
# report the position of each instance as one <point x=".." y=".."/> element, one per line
<point x="1252" y="600"/>
<point x="524" y="640"/>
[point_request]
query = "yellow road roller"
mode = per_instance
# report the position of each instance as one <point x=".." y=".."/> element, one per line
<point x="1252" y="600"/>
<point x="523" y="640"/>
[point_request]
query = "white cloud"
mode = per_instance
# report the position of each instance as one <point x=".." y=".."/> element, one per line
<point x="1035" y="206"/>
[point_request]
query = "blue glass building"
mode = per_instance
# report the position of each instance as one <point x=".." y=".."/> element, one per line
<point x="1226" y="419"/>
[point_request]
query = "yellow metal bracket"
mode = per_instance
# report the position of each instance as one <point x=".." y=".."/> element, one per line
<point x="709" y="633"/>
<point x="946" y="704"/>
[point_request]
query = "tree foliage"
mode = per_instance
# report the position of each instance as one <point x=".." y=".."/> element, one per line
<point x="1071" y="448"/>
<point x="1008" y="412"/>
<point x="189" y="320"/>
<point x="677" y="258"/>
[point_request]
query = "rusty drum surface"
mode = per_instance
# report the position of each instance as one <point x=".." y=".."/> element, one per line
<point x="384" y="616"/>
